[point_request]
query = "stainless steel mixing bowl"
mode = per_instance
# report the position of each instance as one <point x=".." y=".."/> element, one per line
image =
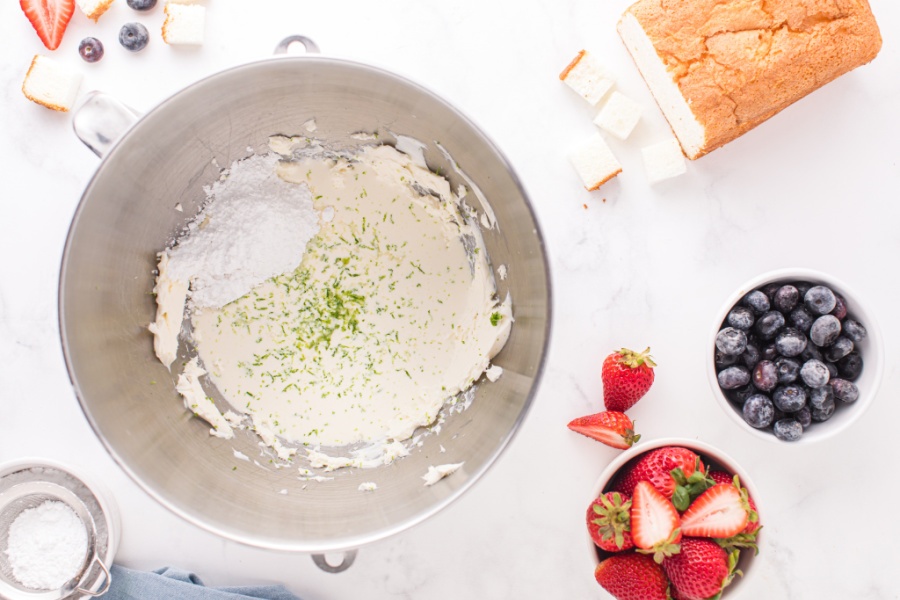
<point x="127" y="215"/>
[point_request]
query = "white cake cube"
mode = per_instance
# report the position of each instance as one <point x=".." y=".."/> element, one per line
<point x="619" y="115"/>
<point x="595" y="162"/>
<point x="51" y="84"/>
<point x="93" y="9"/>
<point x="664" y="160"/>
<point x="587" y="77"/>
<point x="184" y="24"/>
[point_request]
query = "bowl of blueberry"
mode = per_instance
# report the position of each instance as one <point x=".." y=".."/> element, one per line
<point x="795" y="356"/>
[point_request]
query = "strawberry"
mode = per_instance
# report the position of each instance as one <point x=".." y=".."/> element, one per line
<point x="609" y="522"/>
<point x="49" y="19"/>
<point x="632" y="576"/>
<point x="676" y="472"/>
<point x="626" y="376"/>
<point x="701" y="570"/>
<point x="723" y="477"/>
<point x="612" y="428"/>
<point x="654" y="522"/>
<point x="719" y="512"/>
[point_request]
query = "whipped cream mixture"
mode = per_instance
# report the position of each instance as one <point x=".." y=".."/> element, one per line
<point x="390" y="311"/>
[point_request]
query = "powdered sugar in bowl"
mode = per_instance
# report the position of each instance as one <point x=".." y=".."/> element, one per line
<point x="58" y="535"/>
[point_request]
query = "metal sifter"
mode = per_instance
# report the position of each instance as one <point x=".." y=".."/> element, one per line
<point x="27" y="485"/>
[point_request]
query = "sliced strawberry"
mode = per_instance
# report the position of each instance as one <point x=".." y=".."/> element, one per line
<point x="49" y="19"/>
<point x="722" y="477"/>
<point x="654" y="522"/>
<point x="612" y="428"/>
<point x="609" y="522"/>
<point x="719" y="512"/>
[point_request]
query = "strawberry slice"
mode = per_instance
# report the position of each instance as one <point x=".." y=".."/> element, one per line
<point x="49" y="19"/>
<point x="720" y="512"/>
<point x="655" y="525"/>
<point x="612" y="428"/>
<point x="723" y="477"/>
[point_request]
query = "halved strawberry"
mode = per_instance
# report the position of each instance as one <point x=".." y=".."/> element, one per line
<point x="610" y="427"/>
<point x="722" y="477"/>
<point x="719" y="512"/>
<point x="609" y="522"/>
<point x="654" y="522"/>
<point x="631" y="576"/>
<point x="49" y="19"/>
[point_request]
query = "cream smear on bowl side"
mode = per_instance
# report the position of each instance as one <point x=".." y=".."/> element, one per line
<point x="388" y="310"/>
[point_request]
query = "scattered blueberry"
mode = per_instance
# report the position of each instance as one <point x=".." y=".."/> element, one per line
<point x="819" y="397"/>
<point x="740" y="317"/>
<point x="757" y="301"/>
<point x="768" y="325"/>
<point x="854" y="330"/>
<point x="814" y="373"/>
<point x="758" y="411"/>
<point x="90" y="49"/>
<point x="788" y="430"/>
<point x="840" y="308"/>
<point x="751" y="355"/>
<point x="825" y="330"/>
<point x="731" y="341"/>
<point x="141" y="4"/>
<point x="790" y="342"/>
<point x="839" y="349"/>
<point x="765" y="376"/>
<point x="786" y="298"/>
<point x="789" y="398"/>
<point x="788" y="369"/>
<point x="824" y="413"/>
<point x="850" y="366"/>
<point x="733" y="377"/>
<point x="133" y="37"/>
<point x="820" y="300"/>
<point x="801" y="319"/>
<point x="804" y="416"/>
<point x="844" y="390"/>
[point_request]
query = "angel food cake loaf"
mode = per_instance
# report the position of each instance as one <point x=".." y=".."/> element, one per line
<point x="718" y="68"/>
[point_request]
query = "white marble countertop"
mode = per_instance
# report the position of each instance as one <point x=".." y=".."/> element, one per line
<point x="633" y="265"/>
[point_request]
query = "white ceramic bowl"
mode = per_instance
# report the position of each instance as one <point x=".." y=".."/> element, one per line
<point x="711" y="456"/>
<point x="870" y="349"/>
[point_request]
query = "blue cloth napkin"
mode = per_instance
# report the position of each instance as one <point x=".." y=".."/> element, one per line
<point x="168" y="583"/>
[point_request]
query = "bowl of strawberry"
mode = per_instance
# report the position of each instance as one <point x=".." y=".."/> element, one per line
<point x="795" y="356"/>
<point x="673" y="518"/>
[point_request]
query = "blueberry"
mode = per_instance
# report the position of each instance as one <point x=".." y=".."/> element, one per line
<point x="801" y="319"/>
<point x="765" y="376"/>
<point x="850" y="366"/>
<point x="789" y="398"/>
<point x="758" y="411"/>
<point x="779" y="415"/>
<point x="833" y="370"/>
<point x="788" y="369"/>
<point x="811" y="352"/>
<point x="141" y="4"/>
<point x="839" y="349"/>
<point x="133" y="37"/>
<point x="769" y="352"/>
<point x="770" y="289"/>
<point x="723" y="360"/>
<point x="824" y="413"/>
<point x="804" y="416"/>
<point x="733" y="377"/>
<point x="790" y="342"/>
<point x="820" y="397"/>
<point x="844" y="390"/>
<point x="825" y="330"/>
<point x="740" y="317"/>
<point x="788" y="430"/>
<point x="731" y="341"/>
<point x="757" y="301"/>
<point x="786" y="298"/>
<point x="740" y="395"/>
<point x="90" y="49"/>
<point x="814" y="373"/>
<point x="820" y="300"/>
<point x="751" y="355"/>
<point x="840" y="307"/>
<point x="854" y="330"/>
<point x="802" y="287"/>
<point x="768" y="325"/>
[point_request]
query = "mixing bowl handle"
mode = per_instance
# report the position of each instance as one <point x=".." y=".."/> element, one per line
<point x="100" y="120"/>
<point x="285" y="45"/>
<point x="347" y="560"/>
